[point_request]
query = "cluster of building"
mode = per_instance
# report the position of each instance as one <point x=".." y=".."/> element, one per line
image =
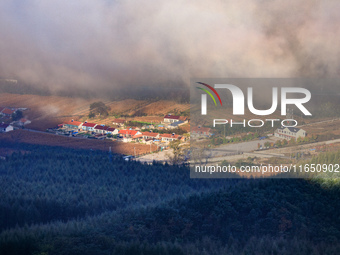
<point x="89" y="127"/>
<point x="9" y="127"/>
<point x="8" y="111"/>
<point x="131" y="134"/>
<point x="169" y="122"/>
<point x="6" y="114"/>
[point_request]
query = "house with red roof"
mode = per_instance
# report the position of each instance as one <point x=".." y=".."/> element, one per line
<point x="128" y="132"/>
<point x="72" y="124"/>
<point x="128" y="135"/>
<point x="134" y="128"/>
<point x="7" y="112"/>
<point x="23" y="122"/>
<point x="101" y="129"/>
<point x="170" y="137"/>
<point x="118" y="122"/>
<point x="138" y="137"/>
<point x="147" y="135"/>
<point x="88" y="127"/>
<point x="171" y="118"/>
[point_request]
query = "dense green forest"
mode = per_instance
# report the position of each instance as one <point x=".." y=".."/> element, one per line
<point x="63" y="201"/>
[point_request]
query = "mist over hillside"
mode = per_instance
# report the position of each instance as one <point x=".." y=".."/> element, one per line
<point x="124" y="47"/>
<point x="179" y="94"/>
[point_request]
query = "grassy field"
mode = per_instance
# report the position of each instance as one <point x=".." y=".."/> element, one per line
<point x="24" y="136"/>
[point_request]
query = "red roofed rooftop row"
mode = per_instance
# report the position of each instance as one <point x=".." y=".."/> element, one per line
<point x="86" y="124"/>
<point x="173" y="117"/>
<point x="73" y="123"/>
<point x="89" y="124"/>
<point x="100" y="127"/>
<point x="127" y="132"/>
<point x="150" y="134"/>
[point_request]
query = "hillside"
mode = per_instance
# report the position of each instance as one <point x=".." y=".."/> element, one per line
<point x="47" y="111"/>
<point x="54" y="198"/>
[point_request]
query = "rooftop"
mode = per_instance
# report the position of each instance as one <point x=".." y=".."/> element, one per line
<point x="100" y="127"/>
<point x="7" y="111"/>
<point x="170" y="136"/>
<point x="128" y="132"/>
<point x="89" y="124"/>
<point x="73" y="123"/>
<point x="173" y="117"/>
<point x="3" y="125"/>
<point x="150" y="134"/>
<point x="291" y="129"/>
<point x="175" y="124"/>
<point x="122" y="121"/>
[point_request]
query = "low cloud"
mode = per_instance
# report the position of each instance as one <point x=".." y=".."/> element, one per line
<point x="104" y="45"/>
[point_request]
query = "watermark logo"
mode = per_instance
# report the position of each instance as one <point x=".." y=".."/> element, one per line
<point x="204" y="97"/>
<point x="254" y="127"/>
<point x="239" y="99"/>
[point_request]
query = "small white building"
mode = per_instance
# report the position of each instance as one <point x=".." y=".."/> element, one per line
<point x="170" y="137"/>
<point x="171" y="118"/>
<point x="112" y="131"/>
<point x="101" y="129"/>
<point x="289" y="133"/>
<point x="72" y="124"/>
<point x="6" y="127"/>
<point x="23" y="122"/>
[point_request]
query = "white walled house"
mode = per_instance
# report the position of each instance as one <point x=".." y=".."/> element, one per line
<point x="289" y="133"/>
<point x="112" y="131"/>
<point x="171" y="118"/>
<point x="169" y="137"/>
<point x="101" y="129"/>
<point x="72" y="124"/>
<point x="24" y="122"/>
<point x="6" y="127"/>
<point x="89" y="127"/>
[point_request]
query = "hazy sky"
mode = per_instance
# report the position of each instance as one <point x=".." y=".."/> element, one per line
<point x="106" y="43"/>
